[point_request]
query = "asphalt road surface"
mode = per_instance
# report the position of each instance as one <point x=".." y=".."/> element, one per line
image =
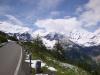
<point x="9" y="58"/>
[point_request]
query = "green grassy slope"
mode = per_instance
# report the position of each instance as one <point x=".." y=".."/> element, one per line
<point x="40" y="52"/>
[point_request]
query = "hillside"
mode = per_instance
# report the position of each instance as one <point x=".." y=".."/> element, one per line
<point x="4" y="37"/>
<point x="61" y="67"/>
<point x="86" y="57"/>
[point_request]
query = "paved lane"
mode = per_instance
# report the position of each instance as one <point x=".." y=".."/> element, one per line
<point x="9" y="58"/>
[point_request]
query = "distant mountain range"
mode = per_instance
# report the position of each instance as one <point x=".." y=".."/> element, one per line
<point x="79" y="37"/>
<point x="87" y="43"/>
<point x="22" y="36"/>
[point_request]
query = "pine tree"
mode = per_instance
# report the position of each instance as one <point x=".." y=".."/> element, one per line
<point x="38" y="43"/>
<point x="59" y="51"/>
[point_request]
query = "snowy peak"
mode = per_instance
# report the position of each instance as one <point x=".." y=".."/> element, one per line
<point x="22" y="36"/>
<point x="50" y="39"/>
<point x="54" y="36"/>
<point x="80" y="37"/>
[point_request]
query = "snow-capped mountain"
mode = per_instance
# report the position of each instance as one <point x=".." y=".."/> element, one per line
<point x="82" y="38"/>
<point x="85" y="38"/>
<point x="22" y="36"/>
<point x="54" y="36"/>
<point x="51" y="38"/>
<point x="79" y="37"/>
<point x="77" y="45"/>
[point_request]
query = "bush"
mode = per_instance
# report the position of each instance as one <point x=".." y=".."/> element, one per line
<point x="12" y="38"/>
<point x="2" y="39"/>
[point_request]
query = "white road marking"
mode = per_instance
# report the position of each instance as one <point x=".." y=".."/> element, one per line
<point x="19" y="63"/>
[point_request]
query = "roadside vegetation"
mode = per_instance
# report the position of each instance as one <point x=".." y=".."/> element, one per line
<point x="53" y="58"/>
<point x="5" y="37"/>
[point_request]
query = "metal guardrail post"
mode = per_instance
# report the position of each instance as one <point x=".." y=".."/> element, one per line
<point x="38" y="67"/>
<point x="30" y="57"/>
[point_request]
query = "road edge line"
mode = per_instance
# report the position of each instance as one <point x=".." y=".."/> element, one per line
<point x="19" y="64"/>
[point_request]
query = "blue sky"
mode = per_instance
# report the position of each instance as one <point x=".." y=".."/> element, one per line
<point x="39" y="9"/>
<point x="30" y="13"/>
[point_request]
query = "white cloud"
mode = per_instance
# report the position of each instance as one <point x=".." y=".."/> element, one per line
<point x="91" y="16"/>
<point x="59" y="25"/>
<point x="8" y="27"/>
<point x="39" y="32"/>
<point x="14" y="20"/>
<point x="13" y="25"/>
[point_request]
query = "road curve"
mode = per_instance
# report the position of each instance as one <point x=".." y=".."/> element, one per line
<point x="9" y="58"/>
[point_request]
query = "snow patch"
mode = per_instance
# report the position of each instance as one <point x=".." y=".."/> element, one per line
<point x="66" y="65"/>
<point x="33" y="65"/>
<point x="49" y="44"/>
<point x="52" y="68"/>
